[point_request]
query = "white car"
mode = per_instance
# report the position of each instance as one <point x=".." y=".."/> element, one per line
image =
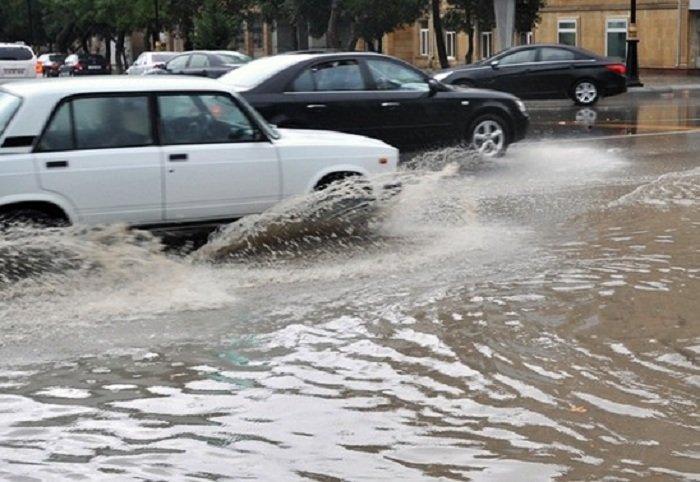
<point x="17" y="61"/>
<point x="149" y="60"/>
<point x="155" y="151"/>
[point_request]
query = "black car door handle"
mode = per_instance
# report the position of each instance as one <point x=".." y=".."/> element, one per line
<point x="390" y="104"/>
<point x="56" y="164"/>
<point x="316" y="106"/>
<point x="178" y="157"/>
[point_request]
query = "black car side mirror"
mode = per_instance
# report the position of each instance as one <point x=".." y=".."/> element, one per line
<point x="434" y="86"/>
<point x="494" y="64"/>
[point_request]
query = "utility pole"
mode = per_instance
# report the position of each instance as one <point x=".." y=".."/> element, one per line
<point x="632" y="63"/>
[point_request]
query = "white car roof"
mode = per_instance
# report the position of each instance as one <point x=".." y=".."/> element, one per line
<point x="62" y="87"/>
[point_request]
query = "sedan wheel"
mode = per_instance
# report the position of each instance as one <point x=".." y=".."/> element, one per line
<point x="585" y="92"/>
<point x="488" y="136"/>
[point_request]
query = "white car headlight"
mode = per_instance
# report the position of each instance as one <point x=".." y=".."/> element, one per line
<point x="443" y="75"/>
<point x="521" y="106"/>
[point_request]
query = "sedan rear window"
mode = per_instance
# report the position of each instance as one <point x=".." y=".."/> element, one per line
<point x="15" y="53"/>
<point x="258" y="71"/>
<point x="8" y="106"/>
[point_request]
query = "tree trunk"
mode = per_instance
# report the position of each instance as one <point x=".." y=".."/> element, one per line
<point x="332" y="40"/>
<point x="352" y="42"/>
<point x="469" y="57"/>
<point x="439" y="35"/>
<point x="119" y="52"/>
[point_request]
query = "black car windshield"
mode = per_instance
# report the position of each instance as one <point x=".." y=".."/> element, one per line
<point x="256" y="72"/>
<point x="8" y="106"/>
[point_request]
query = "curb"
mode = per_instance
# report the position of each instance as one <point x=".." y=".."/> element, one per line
<point x="658" y="90"/>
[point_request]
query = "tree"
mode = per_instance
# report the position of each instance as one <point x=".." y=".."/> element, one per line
<point x="439" y="34"/>
<point x="370" y="19"/>
<point x="468" y="15"/>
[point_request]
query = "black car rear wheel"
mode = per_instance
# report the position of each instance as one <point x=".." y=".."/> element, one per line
<point x="488" y="135"/>
<point x="585" y="92"/>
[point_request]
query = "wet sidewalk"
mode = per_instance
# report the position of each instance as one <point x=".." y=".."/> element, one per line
<point x="665" y="83"/>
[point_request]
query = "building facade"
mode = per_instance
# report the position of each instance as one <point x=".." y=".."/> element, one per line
<point x="668" y="30"/>
<point x="668" y="33"/>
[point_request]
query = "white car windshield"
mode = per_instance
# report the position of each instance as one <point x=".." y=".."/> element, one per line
<point x="256" y="72"/>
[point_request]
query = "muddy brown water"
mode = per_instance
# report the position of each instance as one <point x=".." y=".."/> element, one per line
<point x="530" y="318"/>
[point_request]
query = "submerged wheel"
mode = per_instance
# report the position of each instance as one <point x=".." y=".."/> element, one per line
<point x="488" y="135"/>
<point x="585" y="92"/>
<point x="30" y="217"/>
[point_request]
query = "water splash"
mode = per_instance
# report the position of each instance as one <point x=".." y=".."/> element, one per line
<point x="347" y="209"/>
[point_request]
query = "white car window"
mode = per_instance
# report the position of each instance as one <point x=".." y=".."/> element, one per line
<point x="8" y="107"/>
<point x="99" y="122"/>
<point x="203" y="119"/>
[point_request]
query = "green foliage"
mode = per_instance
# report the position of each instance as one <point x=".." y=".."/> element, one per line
<point x="466" y="15"/>
<point x="215" y="27"/>
<point x="373" y="19"/>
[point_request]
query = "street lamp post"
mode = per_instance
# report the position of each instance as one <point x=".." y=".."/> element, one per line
<point x="632" y="67"/>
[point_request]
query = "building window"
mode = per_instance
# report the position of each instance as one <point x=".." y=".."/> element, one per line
<point x="525" y="38"/>
<point x="256" y="31"/>
<point x="451" y="44"/>
<point x="424" y="39"/>
<point x="486" y="38"/>
<point x="566" y="30"/>
<point x="616" y="38"/>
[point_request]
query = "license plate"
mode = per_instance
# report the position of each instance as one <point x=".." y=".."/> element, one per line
<point x="94" y="67"/>
<point x="13" y="72"/>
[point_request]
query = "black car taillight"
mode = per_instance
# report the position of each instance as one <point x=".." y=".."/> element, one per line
<point x="617" y="68"/>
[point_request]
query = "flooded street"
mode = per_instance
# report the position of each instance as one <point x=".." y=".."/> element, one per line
<point x="535" y="317"/>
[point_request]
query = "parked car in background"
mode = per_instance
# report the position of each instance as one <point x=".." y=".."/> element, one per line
<point x="16" y="61"/>
<point x="205" y="63"/>
<point x="544" y="71"/>
<point x="149" y="60"/>
<point x="49" y="65"/>
<point x="158" y="151"/>
<point x="85" y="64"/>
<point x="378" y="96"/>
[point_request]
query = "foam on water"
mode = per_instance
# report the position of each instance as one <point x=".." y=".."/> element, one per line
<point x="676" y="189"/>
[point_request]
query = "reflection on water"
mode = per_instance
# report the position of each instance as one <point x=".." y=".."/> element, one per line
<point x="530" y="318"/>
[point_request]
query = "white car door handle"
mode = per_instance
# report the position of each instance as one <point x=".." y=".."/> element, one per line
<point x="390" y="104"/>
<point x="56" y="164"/>
<point x="178" y="157"/>
<point x="316" y="106"/>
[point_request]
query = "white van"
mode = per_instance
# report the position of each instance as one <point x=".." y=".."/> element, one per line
<point x="17" y="61"/>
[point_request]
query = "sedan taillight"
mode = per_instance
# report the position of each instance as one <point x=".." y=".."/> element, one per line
<point x="617" y="68"/>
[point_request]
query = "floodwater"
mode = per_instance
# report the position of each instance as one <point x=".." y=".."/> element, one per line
<point x="535" y="317"/>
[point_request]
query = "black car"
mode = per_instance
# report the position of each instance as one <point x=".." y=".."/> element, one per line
<point x="205" y="63"/>
<point x="85" y="64"/>
<point x="544" y="71"/>
<point x="378" y="96"/>
<point x="51" y="64"/>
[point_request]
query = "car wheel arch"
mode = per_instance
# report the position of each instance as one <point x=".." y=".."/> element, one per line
<point x="45" y="210"/>
<point x="493" y="109"/>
